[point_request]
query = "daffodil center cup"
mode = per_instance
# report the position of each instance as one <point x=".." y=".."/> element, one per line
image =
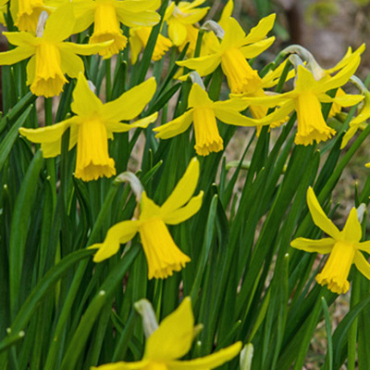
<point x="240" y="75"/>
<point x="93" y="159"/>
<point x="207" y="137"/>
<point x="311" y="123"/>
<point x="107" y="27"/>
<point x="337" y="267"/>
<point x="162" y="254"/>
<point x="49" y="78"/>
<point x="28" y="14"/>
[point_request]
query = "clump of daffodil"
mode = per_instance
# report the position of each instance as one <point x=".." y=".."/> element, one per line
<point x="232" y="53"/>
<point x="107" y="16"/>
<point x="170" y="341"/>
<point x="180" y="19"/>
<point x="306" y="99"/>
<point x="161" y="252"/>
<point x="139" y="38"/>
<point x="51" y="58"/>
<point x="344" y="247"/>
<point x="93" y="125"/>
<point x="203" y="112"/>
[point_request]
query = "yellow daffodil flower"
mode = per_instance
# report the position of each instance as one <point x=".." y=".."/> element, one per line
<point x="203" y="112"/>
<point x="26" y="13"/>
<point x="161" y="252"/>
<point x="232" y="53"/>
<point x="181" y="18"/>
<point x="306" y="99"/>
<point x="107" y="16"/>
<point x="51" y="58"/>
<point x="171" y="341"/>
<point x="138" y="39"/>
<point x="93" y="125"/>
<point x="344" y="247"/>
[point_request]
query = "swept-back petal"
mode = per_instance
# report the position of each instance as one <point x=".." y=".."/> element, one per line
<point x="177" y="32"/>
<point x="131" y="103"/>
<point x="259" y="32"/>
<point x="137" y="6"/>
<point x="147" y="18"/>
<point x="21" y="38"/>
<point x="203" y="65"/>
<point x="251" y="51"/>
<point x="232" y="116"/>
<point x="16" y="55"/>
<point x="72" y="65"/>
<point x="174" y="336"/>
<point x="181" y="214"/>
<point x="208" y="362"/>
<point x="352" y="230"/>
<point x="226" y="13"/>
<point x="234" y="34"/>
<point x="84" y="49"/>
<point x="85" y="102"/>
<point x="364" y="246"/>
<point x="83" y="11"/>
<point x="123" y="366"/>
<point x="362" y="265"/>
<point x="305" y="80"/>
<point x="175" y="127"/>
<point x="48" y="133"/>
<point x="118" y="234"/>
<point x="320" y="219"/>
<point x="346" y="59"/>
<point x="198" y="97"/>
<point x="124" y="127"/>
<point x="60" y="24"/>
<point x="341" y="78"/>
<point x="195" y="15"/>
<point x="348" y="100"/>
<point x="184" y="189"/>
<point x="322" y="246"/>
<point x="269" y="100"/>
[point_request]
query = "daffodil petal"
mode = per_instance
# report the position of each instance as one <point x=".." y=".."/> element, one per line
<point x="340" y="78"/>
<point x="347" y="58"/>
<point x="322" y="246"/>
<point x="349" y="135"/>
<point x="84" y="49"/>
<point x="198" y="96"/>
<point x="174" y="336"/>
<point x="84" y="100"/>
<point x="195" y="16"/>
<point x="269" y="100"/>
<point x="60" y="24"/>
<point x="226" y="13"/>
<point x="21" y="38"/>
<point x="147" y="18"/>
<point x="124" y="127"/>
<point x="362" y="264"/>
<point x="320" y="219"/>
<point x="31" y="70"/>
<point x="234" y="34"/>
<point x="182" y="214"/>
<point x="84" y="13"/>
<point x="364" y="246"/>
<point x="123" y="366"/>
<point x="136" y="6"/>
<point x="208" y="362"/>
<point x="131" y="103"/>
<point x="16" y="55"/>
<point x="175" y="127"/>
<point x="72" y="65"/>
<point x="348" y="100"/>
<point x="305" y="80"/>
<point x="232" y="116"/>
<point x="251" y="51"/>
<point x="352" y="230"/>
<point x="184" y="189"/>
<point x="177" y="32"/>
<point x="118" y="234"/>
<point x="259" y="32"/>
<point x="48" y="133"/>
<point x="203" y="65"/>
